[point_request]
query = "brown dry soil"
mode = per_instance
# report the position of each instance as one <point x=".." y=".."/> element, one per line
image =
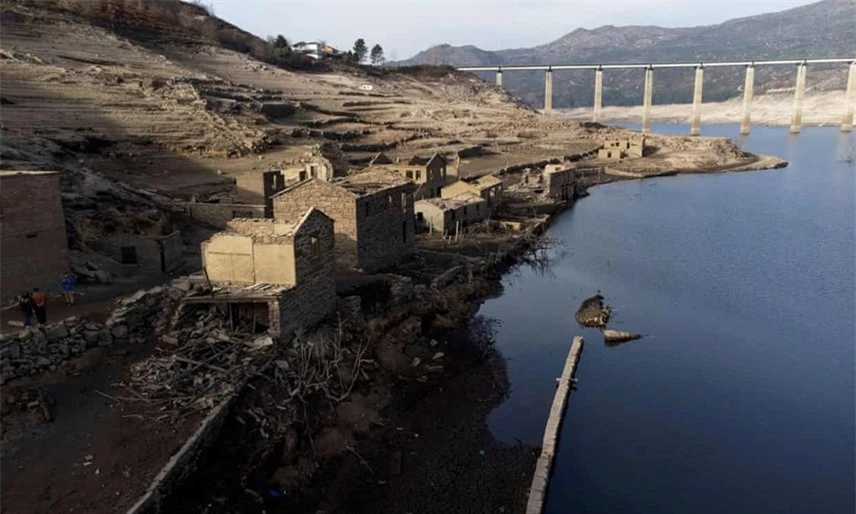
<point x="44" y="464"/>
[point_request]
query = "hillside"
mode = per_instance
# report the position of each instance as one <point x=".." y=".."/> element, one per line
<point x="821" y="29"/>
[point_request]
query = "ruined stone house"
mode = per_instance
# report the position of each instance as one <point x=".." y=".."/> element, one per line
<point x="617" y="149"/>
<point x="153" y="254"/>
<point x="278" y="272"/>
<point x="445" y="215"/>
<point x="33" y="243"/>
<point x="429" y="174"/>
<point x="488" y="187"/>
<point x="372" y="213"/>
<point x="559" y="181"/>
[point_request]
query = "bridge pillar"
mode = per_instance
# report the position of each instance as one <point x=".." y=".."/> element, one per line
<point x="598" y="94"/>
<point x="849" y="100"/>
<point x="799" y="93"/>
<point x="695" y="124"/>
<point x="499" y="77"/>
<point x="647" y="96"/>
<point x="548" y="91"/>
<point x="748" y="87"/>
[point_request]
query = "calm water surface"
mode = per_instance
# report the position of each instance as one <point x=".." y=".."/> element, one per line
<point x="740" y="399"/>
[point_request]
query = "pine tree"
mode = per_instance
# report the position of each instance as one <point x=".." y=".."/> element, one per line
<point x="377" y="55"/>
<point x="360" y="50"/>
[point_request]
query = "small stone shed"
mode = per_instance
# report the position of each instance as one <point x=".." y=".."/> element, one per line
<point x="372" y="213"/>
<point x="33" y="243"/>
<point x="489" y="187"/>
<point x="150" y="253"/>
<point x="444" y="214"/>
<point x="278" y="271"/>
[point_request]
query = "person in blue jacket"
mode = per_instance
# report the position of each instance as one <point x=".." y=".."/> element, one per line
<point x="68" y="283"/>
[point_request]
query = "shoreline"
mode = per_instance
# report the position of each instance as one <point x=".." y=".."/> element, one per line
<point x="821" y="109"/>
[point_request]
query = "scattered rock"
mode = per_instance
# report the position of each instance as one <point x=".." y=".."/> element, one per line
<point x="437" y="356"/>
<point x="415" y="362"/>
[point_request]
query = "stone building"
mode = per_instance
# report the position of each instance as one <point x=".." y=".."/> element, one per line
<point x="559" y="181"/>
<point x="33" y="243"/>
<point x="429" y="174"/>
<point x="617" y="149"/>
<point x="372" y="212"/>
<point x="489" y="187"/>
<point x="280" y="272"/>
<point x="445" y="214"/>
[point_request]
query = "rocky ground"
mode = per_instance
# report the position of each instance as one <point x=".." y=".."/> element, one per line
<point x="772" y="109"/>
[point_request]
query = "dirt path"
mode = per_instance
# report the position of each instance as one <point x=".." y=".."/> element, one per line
<point x="95" y="456"/>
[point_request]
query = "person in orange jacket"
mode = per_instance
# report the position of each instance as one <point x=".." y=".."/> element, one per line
<point x="40" y="305"/>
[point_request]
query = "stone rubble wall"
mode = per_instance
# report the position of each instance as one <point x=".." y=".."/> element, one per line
<point x="136" y="319"/>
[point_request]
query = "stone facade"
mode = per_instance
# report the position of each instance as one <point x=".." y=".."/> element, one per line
<point x="559" y="182"/>
<point x="616" y="149"/>
<point x="33" y="242"/>
<point x="218" y="214"/>
<point x="373" y="221"/>
<point x="444" y="214"/>
<point x="136" y="319"/>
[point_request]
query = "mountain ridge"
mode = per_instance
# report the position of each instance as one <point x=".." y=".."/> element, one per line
<point x="821" y="29"/>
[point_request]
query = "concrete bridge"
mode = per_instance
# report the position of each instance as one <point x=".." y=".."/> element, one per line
<point x="695" y="121"/>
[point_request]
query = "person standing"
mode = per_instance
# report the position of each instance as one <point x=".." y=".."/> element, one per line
<point x="40" y="305"/>
<point x="68" y="283"/>
<point x="26" y="306"/>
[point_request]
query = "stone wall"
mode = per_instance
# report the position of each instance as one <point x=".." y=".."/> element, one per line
<point x="136" y="319"/>
<point x="334" y="201"/>
<point x="385" y="227"/>
<point x="314" y="298"/>
<point x="33" y="241"/>
<point x="560" y="184"/>
<point x="218" y="214"/>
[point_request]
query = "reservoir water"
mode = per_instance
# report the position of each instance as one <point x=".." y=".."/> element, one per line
<point x="740" y="397"/>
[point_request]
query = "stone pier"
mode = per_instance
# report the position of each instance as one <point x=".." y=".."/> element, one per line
<point x="748" y="90"/>
<point x="849" y="100"/>
<point x="695" y="122"/>
<point x="549" y="446"/>
<point x="499" y="77"/>
<point x="646" y="100"/>
<point x="799" y="94"/>
<point x="598" y="95"/>
<point x="548" y="91"/>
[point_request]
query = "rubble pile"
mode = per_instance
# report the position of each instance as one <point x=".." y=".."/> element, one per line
<point x="44" y="348"/>
<point x="198" y="365"/>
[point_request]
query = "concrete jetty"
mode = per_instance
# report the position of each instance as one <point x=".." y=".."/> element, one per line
<point x="538" y="489"/>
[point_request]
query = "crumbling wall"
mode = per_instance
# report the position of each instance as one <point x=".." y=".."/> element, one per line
<point x="218" y="214"/>
<point x="153" y="254"/>
<point x="136" y="319"/>
<point x="33" y="241"/>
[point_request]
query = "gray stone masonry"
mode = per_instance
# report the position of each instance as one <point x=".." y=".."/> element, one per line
<point x="135" y="319"/>
<point x="373" y="231"/>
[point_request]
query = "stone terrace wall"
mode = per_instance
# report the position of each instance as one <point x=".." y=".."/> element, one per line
<point x="137" y="319"/>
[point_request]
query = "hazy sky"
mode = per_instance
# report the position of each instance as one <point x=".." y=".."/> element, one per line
<point x="405" y="27"/>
